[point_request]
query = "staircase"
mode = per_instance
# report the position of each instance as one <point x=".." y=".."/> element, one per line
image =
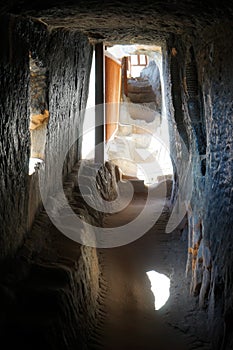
<point x="140" y="91"/>
<point x="130" y="146"/>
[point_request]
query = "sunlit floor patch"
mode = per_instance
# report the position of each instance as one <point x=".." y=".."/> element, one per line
<point x="160" y="287"/>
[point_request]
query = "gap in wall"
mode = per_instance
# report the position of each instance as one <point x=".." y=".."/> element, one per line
<point x="39" y="114"/>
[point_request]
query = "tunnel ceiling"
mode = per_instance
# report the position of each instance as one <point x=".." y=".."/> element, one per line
<point x="125" y="21"/>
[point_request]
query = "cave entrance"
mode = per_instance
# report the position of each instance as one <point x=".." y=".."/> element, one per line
<point x="135" y="113"/>
<point x="134" y="144"/>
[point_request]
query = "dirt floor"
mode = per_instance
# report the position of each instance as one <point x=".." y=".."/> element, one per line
<point x="129" y="320"/>
<point x="44" y="283"/>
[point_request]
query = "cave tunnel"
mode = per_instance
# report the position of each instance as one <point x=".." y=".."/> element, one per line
<point x="82" y="238"/>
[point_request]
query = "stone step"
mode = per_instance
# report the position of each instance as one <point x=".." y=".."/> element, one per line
<point x="138" y="185"/>
<point x="141" y="97"/>
<point x="137" y="87"/>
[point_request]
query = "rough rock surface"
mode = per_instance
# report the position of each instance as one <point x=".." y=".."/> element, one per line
<point x="67" y="93"/>
<point x="197" y="48"/>
<point x="52" y="290"/>
<point x="201" y="85"/>
<point x="120" y="21"/>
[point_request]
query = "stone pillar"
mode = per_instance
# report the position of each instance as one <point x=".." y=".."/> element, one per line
<point x="99" y="102"/>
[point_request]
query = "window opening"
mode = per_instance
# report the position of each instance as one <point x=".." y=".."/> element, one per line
<point x="39" y="114"/>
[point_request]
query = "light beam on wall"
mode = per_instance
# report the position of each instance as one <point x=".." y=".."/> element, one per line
<point x="160" y="287"/>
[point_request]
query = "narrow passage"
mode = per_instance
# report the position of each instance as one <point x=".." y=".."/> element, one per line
<point x="130" y="321"/>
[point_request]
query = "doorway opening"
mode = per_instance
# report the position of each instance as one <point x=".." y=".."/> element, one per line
<point x="139" y="142"/>
<point x="136" y="124"/>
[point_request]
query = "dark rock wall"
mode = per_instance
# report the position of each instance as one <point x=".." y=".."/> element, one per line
<point x="14" y="135"/>
<point x="70" y="55"/>
<point x="51" y="293"/>
<point x="216" y="75"/>
<point x="202" y="112"/>
<point x="67" y="56"/>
